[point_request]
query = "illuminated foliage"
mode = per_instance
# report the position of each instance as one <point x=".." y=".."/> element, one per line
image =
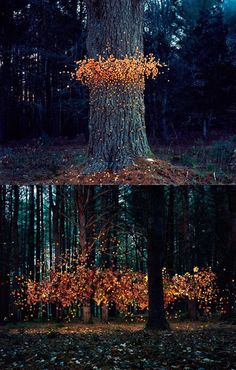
<point x="110" y="72"/>
<point x="63" y="287"/>
<point x="131" y="291"/>
<point x="199" y="286"/>
<point x="105" y="285"/>
<point x="79" y="283"/>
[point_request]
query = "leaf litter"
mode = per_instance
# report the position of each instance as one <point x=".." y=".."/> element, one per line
<point x="113" y="346"/>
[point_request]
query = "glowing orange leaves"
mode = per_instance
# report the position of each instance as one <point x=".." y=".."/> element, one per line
<point x="64" y="287"/>
<point x="80" y="283"/>
<point x="199" y="286"/>
<point x="129" y="71"/>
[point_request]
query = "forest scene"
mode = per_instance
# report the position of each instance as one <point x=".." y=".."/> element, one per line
<point x="117" y="92"/>
<point x="117" y="277"/>
<point x="117" y="184"/>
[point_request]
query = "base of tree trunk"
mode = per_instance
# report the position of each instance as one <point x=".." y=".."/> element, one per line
<point x="59" y="314"/>
<point x="105" y="314"/>
<point x="161" y="325"/>
<point x="192" y="310"/>
<point x="87" y="316"/>
<point x="98" y="164"/>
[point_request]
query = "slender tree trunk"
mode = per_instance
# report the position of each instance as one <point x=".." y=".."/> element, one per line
<point x="105" y="313"/>
<point x="4" y="259"/>
<point x="91" y="228"/>
<point x="76" y="217"/>
<point x="62" y="221"/>
<point x="82" y="220"/>
<point x="116" y="121"/>
<point x="42" y="231"/>
<point x="31" y="232"/>
<point x="15" y="236"/>
<point x="115" y="196"/>
<point x="185" y="230"/>
<point x="55" y="217"/>
<point x="163" y="121"/>
<point x="233" y="248"/>
<point x="87" y="315"/>
<point x="105" y="251"/>
<point x="83" y="200"/>
<point x="38" y="236"/>
<point x="229" y="257"/>
<point x="6" y="20"/>
<point x="50" y="224"/>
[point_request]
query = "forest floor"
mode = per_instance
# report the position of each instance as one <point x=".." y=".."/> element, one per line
<point x="116" y="346"/>
<point x="61" y="162"/>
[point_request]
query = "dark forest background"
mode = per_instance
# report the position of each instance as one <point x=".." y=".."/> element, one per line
<point x="40" y="40"/>
<point x="195" y="226"/>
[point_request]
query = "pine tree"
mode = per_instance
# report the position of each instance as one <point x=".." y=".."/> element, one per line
<point x="209" y="64"/>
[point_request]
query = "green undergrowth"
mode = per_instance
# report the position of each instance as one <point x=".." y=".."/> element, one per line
<point x="215" y="157"/>
<point x="40" y="161"/>
<point x="44" y="162"/>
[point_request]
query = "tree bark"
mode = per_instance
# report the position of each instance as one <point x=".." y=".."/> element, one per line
<point x="229" y="259"/>
<point x="55" y="222"/>
<point x="38" y="233"/>
<point x="185" y="230"/>
<point x="105" y="313"/>
<point x="155" y="235"/>
<point x="82" y="198"/>
<point x="116" y="121"/>
<point x="31" y="243"/>
<point x="169" y="245"/>
<point x="4" y="259"/>
<point x="192" y="309"/>
<point x="87" y="315"/>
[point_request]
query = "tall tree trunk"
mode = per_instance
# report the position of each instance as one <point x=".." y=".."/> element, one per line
<point x="62" y="220"/>
<point x="6" y="20"/>
<point x="50" y="224"/>
<point x="223" y="207"/>
<point x="82" y="194"/>
<point x="91" y="228"/>
<point x="115" y="199"/>
<point x="31" y="232"/>
<point x="185" y="230"/>
<point x="38" y="233"/>
<point x="55" y="222"/>
<point x="155" y="235"/>
<point x="105" y="246"/>
<point x="169" y="244"/>
<point x="229" y="259"/>
<point x="43" y="258"/>
<point x="116" y="121"/>
<point x="4" y="259"/>
<point x="84" y="197"/>
<point x="15" y="236"/>
<point x="15" y="256"/>
<point x="163" y="120"/>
